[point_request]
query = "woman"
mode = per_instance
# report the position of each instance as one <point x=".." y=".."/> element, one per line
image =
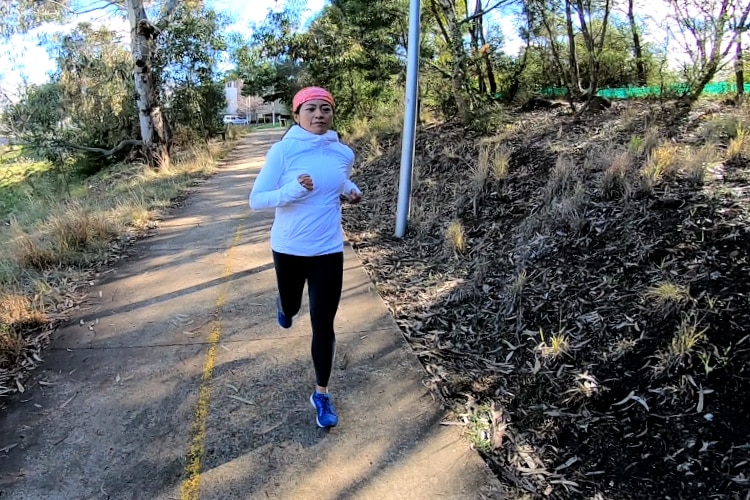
<point x="303" y="178"/>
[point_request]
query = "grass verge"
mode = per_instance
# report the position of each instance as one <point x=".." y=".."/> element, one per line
<point x="56" y="237"/>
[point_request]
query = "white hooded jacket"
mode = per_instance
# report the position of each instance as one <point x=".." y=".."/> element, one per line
<point x="307" y="223"/>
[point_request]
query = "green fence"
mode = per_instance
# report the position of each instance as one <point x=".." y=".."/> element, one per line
<point x="634" y="92"/>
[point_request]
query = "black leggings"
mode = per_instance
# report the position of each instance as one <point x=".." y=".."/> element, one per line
<point x="324" y="276"/>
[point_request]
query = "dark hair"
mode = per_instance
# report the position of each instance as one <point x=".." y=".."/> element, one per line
<point x="289" y="128"/>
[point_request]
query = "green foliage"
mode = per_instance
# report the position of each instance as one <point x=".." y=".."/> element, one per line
<point x="87" y="103"/>
<point x="20" y="16"/>
<point x="352" y="48"/>
<point x="187" y="67"/>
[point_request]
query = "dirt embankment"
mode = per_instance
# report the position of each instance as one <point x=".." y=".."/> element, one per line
<point x="579" y="294"/>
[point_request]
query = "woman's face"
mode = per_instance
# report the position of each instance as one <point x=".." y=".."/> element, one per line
<point x="315" y="116"/>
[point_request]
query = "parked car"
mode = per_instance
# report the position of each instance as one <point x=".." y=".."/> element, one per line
<point x="234" y="120"/>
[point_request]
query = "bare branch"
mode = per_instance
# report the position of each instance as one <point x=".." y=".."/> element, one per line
<point x="105" y="152"/>
<point x="107" y="3"/>
<point x="484" y="12"/>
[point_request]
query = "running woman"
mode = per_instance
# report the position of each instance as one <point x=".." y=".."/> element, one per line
<point x="303" y="178"/>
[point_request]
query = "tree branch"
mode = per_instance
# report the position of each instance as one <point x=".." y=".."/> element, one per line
<point x="443" y="72"/>
<point x="483" y="12"/>
<point x="107" y="3"/>
<point x="104" y="152"/>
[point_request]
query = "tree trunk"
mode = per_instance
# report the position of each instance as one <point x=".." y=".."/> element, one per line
<point x="155" y="132"/>
<point x="739" y="69"/>
<point x="575" y="78"/>
<point x="452" y="33"/>
<point x="640" y="67"/>
<point x="487" y="59"/>
<point x="594" y="46"/>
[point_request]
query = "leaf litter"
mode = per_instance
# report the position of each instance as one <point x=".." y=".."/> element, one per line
<point x="557" y="313"/>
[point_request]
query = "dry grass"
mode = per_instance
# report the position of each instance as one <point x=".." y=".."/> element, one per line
<point x="596" y="297"/>
<point x="667" y="295"/>
<point x="739" y="145"/>
<point x="559" y="345"/>
<point x="480" y="172"/>
<point x="494" y="157"/>
<point x="387" y="121"/>
<point x="697" y="161"/>
<point x="519" y="283"/>
<point x="455" y="237"/>
<point x="662" y="163"/>
<point x="16" y="309"/>
<point x="644" y="145"/>
<point x="54" y="244"/>
<point x="682" y="346"/>
<point x="12" y="346"/>
<point x="562" y="179"/>
<point x="722" y="128"/>
<point x="616" y="182"/>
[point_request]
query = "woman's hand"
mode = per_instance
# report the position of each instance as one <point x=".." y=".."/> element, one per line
<point x="354" y="197"/>
<point x="306" y="181"/>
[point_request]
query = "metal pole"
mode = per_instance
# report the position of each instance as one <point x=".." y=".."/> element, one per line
<point x="410" y="120"/>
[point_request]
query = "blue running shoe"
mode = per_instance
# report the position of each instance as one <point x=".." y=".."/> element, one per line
<point x="284" y="321"/>
<point x="326" y="415"/>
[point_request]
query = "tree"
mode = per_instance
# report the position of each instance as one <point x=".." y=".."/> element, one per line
<point x="447" y="14"/>
<point x="186" y="66"/>
<point x="637" y="49"/>
<point x="704" y="26"/>
<point x="155" y="132"/>
<point x="595" y="41"/>
<point x="352" y="47"/>
<point x="249" y="106"/>
<point x="155" y="138"/>
<point x="739" y="60"/>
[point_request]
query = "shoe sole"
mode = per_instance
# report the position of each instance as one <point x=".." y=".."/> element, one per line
<point x="316" y="415"/>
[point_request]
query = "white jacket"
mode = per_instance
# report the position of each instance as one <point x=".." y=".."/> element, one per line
<point x="307" y="223"/>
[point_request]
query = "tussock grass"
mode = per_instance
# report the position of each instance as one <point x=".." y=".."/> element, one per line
<point x="650" y="141"/>
<point x="455" y="237"/>
<point x="739" y="145"/>
<point x="559" y="345"/>
<point x="480" y="428"/>
<point x="480" y="172"/>
<point x="617" y="180"/>
<point x="667" y="295"/>
<point x="12" y="346"/>
<point x="697" y="161"/>
<point x="723" y="128"/>
<point x="494" y="157"/>
<point x="661" y="164"/>
<point x="646" y="144"/>
<point x="389" y="120"/>
<point x="684" y="343"/>
<point x="562" y="179"/>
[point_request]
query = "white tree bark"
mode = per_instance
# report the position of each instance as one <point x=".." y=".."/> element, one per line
<point x="154" y="127"/>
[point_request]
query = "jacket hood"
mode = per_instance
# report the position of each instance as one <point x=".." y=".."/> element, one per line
<point x="297" y="133"/>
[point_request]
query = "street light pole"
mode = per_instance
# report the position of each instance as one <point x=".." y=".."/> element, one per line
<point x="410" y="120"/>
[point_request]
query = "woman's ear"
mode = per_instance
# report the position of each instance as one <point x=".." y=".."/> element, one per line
<point x="295" y="117"/>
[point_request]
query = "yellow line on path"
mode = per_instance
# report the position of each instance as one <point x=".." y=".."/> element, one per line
<point x="191" y="487"/>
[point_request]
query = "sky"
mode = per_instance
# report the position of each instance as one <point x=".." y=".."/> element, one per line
<point x="24" y="58"/>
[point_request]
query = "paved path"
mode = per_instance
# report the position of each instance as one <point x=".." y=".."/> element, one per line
<point x="181" y="385"/>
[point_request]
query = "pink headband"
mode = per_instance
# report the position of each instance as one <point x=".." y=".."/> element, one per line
<point x="310" y="94"/>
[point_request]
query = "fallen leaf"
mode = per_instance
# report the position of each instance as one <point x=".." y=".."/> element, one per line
<point x="241" y="399"/>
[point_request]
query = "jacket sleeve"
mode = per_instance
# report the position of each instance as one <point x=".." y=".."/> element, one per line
<point x="349" y="186"/>
<point x="266" y="192"/>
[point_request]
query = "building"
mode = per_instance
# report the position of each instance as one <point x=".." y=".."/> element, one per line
<point x="253" y="107"/>
<point x="233" y="93"/>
